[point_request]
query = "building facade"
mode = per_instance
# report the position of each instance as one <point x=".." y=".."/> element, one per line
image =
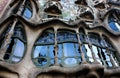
<point x="59" y="39"/>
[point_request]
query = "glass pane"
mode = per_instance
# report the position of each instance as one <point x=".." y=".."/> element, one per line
<point x="107" y="43"/>
<point x="69" y="49"/>
<point x="51" y="51"/>
<point x="89" y="53"/>
<point x="114" y="25"/>
<point x="14" y="59"/>
<point x="46" y="38"/>
<point x="60" y="50"/>
<point x="109" y="64"/>
<point x="27" y="13"/>
<point x="70" y="61"/>
<point x="18" y="32"/>
<point x="117" y="25"/>
<point x="88" y="50"/>
<point x="66" y="36"/>
<point x="95" y="50"/>
<point x="40" y="51"/>
<point x="42" y="61"/>
<point x="52" y="61"/>
<point x="100" y="61"/>
<point x="94" y="39"/>
<point x="114" y="59"/>
<point x="105" y="55"/>
<point x="19" y="48"/>
<point x="83" y="37"/>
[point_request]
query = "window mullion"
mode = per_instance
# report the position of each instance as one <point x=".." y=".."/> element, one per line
<point x="99" y="50"/>
<point x="80" y="49"/>
<point x="90" y="44"/>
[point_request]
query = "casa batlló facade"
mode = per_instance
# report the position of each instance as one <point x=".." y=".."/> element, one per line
<point x="59" y="38"/>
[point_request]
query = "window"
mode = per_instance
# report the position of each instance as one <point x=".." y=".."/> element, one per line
<point x="104" y="52"/>
<point x="44" y="49"/>
<point x="16" y="48"/>
<point x="27" y="11"/>
<point x="113" y="21"/>
<point x="68" y="48"/>
<point x="102" y="49"/>
<point x="99" y="50"/>
<point x="111" y="53"/>
<point x="69" y="51"/>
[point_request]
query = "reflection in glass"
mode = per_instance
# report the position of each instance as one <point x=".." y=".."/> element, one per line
<point x="16" y="47"/>
<point x="105" y="57"/>
<point x="27" y="13"/>
<point x="19" y="48"/>
<point x="94" y="39"/>
<point x="41" y="62"/>
<point x="70" y="61"/>
<point x="46" y="37"/>
<point x="15" y="50"/>
<point x="114" y="58"/>
<point x="40" y="51"/>
<point x="87" y="52"/>
<point x="27" y="10"/>
<point x="43" y="54"/>
<point x="66" y="36"/>
<point x="70" y="52"/>
<point x="113" y="23"/>
<point x="69" y="49"/>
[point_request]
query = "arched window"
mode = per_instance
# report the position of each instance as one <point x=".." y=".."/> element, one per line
<point x="44" y="49"/>
<point x="27" y="11"/>
<point x="68" y="48"/>
<point x="85" y="47"/>
<point x="111" y="58"/>
<point x="104" y="52"/>
<point x="113" y="21"/>
<point x="97" y="43"/>
<point x="16" y="49"/>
